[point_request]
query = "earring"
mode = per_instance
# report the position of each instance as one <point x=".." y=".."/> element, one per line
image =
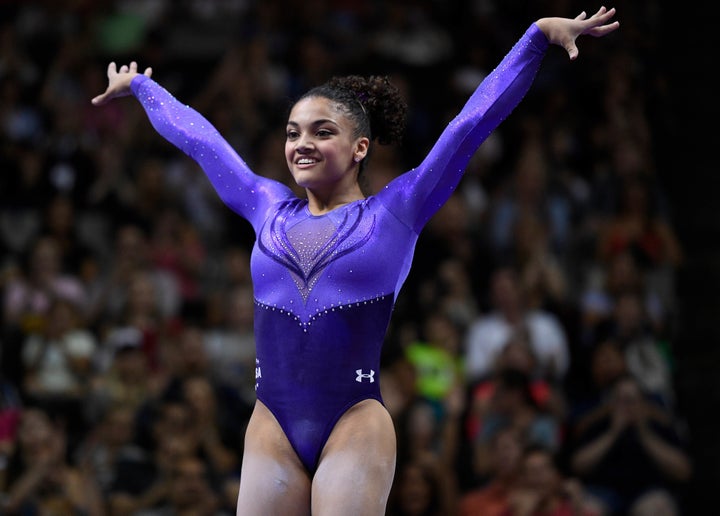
<point x="357" y="159"/>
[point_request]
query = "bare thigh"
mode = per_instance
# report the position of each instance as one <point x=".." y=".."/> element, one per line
<point x="273" y="481"/>
<point x="357" y="464"/>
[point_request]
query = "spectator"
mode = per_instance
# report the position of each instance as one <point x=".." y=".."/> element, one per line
<point x="60" y="222"/>
<point x="620" y="273"/>
<point x="40" y="478"/>
<point x="491" y="331"/>
<point x="596" y="376"/>
<point x="109" y="452"/>
<point x="492" y="496"/>
<point x="10" y="409"/>
<point x="630" y="448"/>
<point x="189" y="492"/>
<point x="436" y="358"/>
<point x="123" y="377"/>
<point x="214" y="426"/>
<point x="157" y="475"/>
<point x="530" y="194"/>
<point x="516" y="355"/>
<point x="229" y="338"/>
<point x="543" y="489"/>
<point x="639" y="227"/>
<point x="27" y="297"/>
<point x="132" y="289"/>
<point x="424" y="487"/>
<point x="646" y="358"/>
<point x="177" y="250"/>
<point x="58" y="366"/>
<point x="540" y="268"/>
<point x="215" y="412"/>
<point x="512" y="405"/>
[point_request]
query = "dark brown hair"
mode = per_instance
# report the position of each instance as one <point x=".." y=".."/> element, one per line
<point x="373" y="103"/>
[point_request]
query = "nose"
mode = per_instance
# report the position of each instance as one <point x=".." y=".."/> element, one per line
<point x="303" y="143"/>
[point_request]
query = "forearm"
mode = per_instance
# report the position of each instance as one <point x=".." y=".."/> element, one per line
<point x="238" y="187"/>
<point x="590" y="455"/>
<point x="24" y="488"/>
<point x="669" y="459"/>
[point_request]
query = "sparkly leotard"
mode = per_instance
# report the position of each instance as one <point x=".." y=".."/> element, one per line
<point x="325" y="285"/>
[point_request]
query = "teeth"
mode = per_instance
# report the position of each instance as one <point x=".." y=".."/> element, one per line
<point x="305" y="161"/>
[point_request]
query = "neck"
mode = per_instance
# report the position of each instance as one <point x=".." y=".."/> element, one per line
<point x="320" y="204"/>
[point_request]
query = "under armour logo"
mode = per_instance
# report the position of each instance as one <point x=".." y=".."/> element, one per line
<point x="360" y="375"/>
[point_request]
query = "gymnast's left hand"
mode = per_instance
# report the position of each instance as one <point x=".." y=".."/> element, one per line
<point x="565" y="31"/>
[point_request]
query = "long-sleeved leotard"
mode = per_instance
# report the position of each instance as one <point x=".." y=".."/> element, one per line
<point x="325" y="285"/>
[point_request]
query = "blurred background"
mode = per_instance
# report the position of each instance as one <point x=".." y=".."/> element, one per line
<point x="578" y="254"/>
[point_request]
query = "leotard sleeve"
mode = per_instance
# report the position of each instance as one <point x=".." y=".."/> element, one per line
<point x="246" y="193"/>
<point x="416" y="196"/>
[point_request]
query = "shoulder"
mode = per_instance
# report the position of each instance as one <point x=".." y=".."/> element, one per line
<point x="543" y="319"/>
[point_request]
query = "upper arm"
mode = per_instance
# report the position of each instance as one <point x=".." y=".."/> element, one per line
<point x="417" y="195"/>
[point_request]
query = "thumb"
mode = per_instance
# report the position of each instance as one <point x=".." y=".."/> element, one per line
<point x="572" y="50"/>
<point x="100" y="99"/>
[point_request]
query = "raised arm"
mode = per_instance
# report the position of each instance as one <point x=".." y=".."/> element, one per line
<point x="240" y="189"/>
<point x="418" y="194"/>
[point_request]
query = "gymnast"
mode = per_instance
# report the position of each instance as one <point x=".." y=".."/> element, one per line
<point x="328" y="267"/>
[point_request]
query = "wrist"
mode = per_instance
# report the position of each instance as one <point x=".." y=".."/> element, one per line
<point x="134" y="81"/>
<point x="544" y="25"/>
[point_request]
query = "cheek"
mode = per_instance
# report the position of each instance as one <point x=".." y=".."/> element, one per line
<point x="337" y="154"/>
<point x="288" y="153"/>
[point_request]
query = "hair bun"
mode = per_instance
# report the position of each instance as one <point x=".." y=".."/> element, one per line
<point x="380" y="101"/>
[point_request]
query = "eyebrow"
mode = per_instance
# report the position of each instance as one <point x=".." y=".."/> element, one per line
<point x="316" y="122"/>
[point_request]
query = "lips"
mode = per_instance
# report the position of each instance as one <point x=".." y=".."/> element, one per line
<point x="306" y="162"/>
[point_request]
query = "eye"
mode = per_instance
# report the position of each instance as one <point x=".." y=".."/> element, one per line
<point x="324" y="133"/>
<point x="291" y="134"/>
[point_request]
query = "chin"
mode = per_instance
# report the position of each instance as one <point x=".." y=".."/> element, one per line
<point x="302" y="182"/>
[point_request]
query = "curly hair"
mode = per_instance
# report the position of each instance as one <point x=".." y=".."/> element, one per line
<point x="373" y="103"/>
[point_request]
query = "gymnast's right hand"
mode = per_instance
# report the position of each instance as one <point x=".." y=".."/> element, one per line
<point x="119" y="82"/>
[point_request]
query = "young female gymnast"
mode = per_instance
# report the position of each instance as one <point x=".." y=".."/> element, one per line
<point x="328" y="268"/>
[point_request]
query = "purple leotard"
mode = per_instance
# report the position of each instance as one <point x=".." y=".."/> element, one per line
<point x="325" y="285"/>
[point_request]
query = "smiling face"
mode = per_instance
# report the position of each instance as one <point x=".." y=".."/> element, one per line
<point x="321" y="147"/>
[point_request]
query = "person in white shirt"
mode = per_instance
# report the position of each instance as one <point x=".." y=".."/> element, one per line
<point x="489" y="333"/>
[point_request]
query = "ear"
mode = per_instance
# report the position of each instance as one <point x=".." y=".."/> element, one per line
<point x="361" y="148"/>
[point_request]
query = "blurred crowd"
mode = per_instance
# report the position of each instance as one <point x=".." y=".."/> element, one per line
<point x="529" y="366"/>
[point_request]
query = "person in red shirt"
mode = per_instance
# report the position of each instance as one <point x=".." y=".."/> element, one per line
<point x="542" y="489"/>
<point x="491" y="498"/>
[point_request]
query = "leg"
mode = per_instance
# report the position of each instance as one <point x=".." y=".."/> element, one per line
<point x="273" y="481"/>
<point x="357" y="464"/>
